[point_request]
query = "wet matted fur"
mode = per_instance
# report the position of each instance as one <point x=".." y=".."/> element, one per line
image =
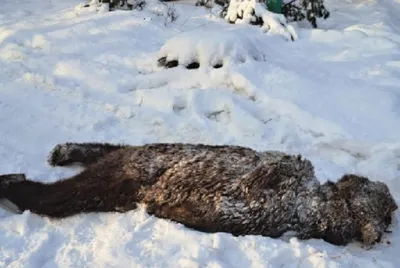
<point x="211" y="189"/>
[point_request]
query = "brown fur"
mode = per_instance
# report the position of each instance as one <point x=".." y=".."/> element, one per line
<point x="210" y="188"/>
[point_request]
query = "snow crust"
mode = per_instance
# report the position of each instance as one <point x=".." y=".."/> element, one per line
<point x="333" y="96"/>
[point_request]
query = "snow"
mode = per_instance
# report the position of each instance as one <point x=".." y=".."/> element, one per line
<point x="70" y="75"/>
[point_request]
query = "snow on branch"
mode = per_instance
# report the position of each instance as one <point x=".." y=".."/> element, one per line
<point x="249" y="11"/>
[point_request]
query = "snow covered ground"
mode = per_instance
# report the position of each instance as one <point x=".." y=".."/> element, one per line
<point x="68" y="75"/>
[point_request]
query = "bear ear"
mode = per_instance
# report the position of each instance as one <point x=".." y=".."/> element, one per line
<point x="345" y="178"/>
<point x="370" y="234"/>
<point x="354" y="179"/>
<point x="349" y="185"/>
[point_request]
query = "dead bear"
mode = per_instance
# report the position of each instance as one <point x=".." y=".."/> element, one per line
<point x="209" y="188"/>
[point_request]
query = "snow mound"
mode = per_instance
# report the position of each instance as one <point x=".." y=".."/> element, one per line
<point x="249" y="11"/>
<point x="205" y="48"/>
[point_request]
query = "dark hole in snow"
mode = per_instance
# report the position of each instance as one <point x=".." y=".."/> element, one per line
<point x="171" y="64"/>
<point x="193" y="65"/>
<point x="162" y="61"/>
<point x="218" y="65"/>
<point x="167" y="64"/>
